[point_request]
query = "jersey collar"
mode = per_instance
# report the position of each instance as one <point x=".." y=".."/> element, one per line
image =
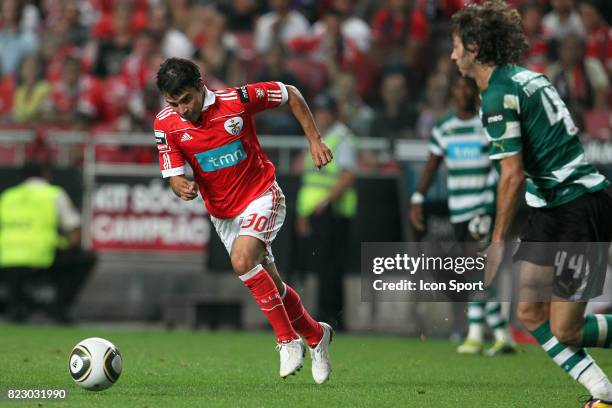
<point x="209" y="99"/>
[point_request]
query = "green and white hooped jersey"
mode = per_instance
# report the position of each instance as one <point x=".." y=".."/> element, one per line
<point x="471" y="180"/>
<point x="522" y="112"/>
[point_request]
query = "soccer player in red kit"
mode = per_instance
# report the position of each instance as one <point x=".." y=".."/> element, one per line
<point x="214" y="132"/>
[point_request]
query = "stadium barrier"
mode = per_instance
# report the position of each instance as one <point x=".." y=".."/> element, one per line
<point x="114" y="178"/>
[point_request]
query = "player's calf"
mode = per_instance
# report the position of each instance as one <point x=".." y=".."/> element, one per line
<point x="532" y="314"/>
<point x="597" y="331"/>
<point x="567" y="334"/>
<point x="266" y="295"/>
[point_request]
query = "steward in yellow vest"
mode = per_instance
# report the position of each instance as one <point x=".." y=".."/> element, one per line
<point x="326" y="204"/>
<point x="29" y="230"/>
<point x="33" y="216"/>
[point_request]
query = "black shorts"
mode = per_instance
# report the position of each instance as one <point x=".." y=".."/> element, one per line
<point x="579" y="234"/>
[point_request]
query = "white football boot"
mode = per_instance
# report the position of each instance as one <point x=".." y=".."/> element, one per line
<point x="291" y="357"/>
<point x="321" y="364"/>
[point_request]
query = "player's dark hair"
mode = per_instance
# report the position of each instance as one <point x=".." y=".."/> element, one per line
<point x="493" y="30"/>
<point x="176" y="75"/>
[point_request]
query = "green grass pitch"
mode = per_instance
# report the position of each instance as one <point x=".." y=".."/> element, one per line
<point x="239" y="369"/>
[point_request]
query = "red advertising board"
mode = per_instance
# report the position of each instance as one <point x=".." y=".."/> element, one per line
<point x="142" y="213"/>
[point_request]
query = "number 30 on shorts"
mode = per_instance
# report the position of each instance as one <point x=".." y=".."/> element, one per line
<point x="258" y="223"/>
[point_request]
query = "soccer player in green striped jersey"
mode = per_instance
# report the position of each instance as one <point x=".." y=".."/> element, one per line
<point x="533" y="137"/>
<point x="459" y="140"/>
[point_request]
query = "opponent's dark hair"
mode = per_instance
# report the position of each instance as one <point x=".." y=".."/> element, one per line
<point x="493" y="30"/>
<point x="471" y="83"/>
<point x="176" y="75"/>
<point x="455" y="77"/>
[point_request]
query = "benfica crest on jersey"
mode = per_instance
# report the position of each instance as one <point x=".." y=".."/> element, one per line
<point x="233" y="125"/>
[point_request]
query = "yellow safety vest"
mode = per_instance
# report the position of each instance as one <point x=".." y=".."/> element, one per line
<point x="29" y="226"/>
<point x="316" y="185"/>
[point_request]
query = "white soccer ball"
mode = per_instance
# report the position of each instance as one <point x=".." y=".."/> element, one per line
<point x="95" y="364"/>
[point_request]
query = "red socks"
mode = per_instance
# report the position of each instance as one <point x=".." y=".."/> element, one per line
<point x="266" y="295"/>
<point x="301" y="321"/>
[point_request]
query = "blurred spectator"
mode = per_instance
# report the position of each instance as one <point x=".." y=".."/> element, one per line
<point x="32" y="215"/>
<point x="275" y="68"/>
<point x="69" y="24"/>
<point x="16" y="43"/>
<point x="30" y="17"/>
<point x="351" y="108"/>
<point x="174" y="43"/>
<point x="112" y="51"/>
<point x="437" y="98"/>
<point x="180" y="13"/>
<point x="562" y="21"/>
<point x="138" y="67"/>
<point x="76" y="97"/>
<point x="335" y="50"/>
<point x="536" y="56"/>
<point x="241" y="14"/>
<point x="399" y="30"/>
<point x="105" y="27"/>
<point x="7" y="89"/>
<point x="32" y="91"/>
<point x="351" y="26"/>
<point x="581" y="81"/>
<point x="598" y="32"/>
<point x="277" y="121"/>
<point x="219" y="51"/>
<point x="138" y="76"/>
<point x="398" y="115"/>
<point x="279" y="26"/>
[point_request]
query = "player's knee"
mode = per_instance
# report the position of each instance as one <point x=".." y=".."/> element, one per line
<point x="241" y="263"/>
<point x="567" y="334"/>
<point x="531" y="315"/>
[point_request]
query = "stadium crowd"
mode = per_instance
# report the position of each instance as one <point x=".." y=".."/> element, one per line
<point x="90" y="64"/>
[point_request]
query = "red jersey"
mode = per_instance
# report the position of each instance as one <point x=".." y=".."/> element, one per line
<point x="599" y="45"/>
<point x="229" y="165"/>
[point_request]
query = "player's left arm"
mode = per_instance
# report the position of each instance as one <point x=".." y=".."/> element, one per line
<point x="267" y="95"/>
<point x="502" y="123"/>
<point x="509" y="187"/>
<point x="501" y="120"/>
<point x="320" y="152"/>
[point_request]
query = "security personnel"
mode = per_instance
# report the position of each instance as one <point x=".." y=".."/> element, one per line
<point x="326" y="204"/>
<point x="32" y="214"/>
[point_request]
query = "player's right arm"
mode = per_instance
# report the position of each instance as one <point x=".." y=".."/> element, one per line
<point x="171" y="160"/>
<point x="184" y="188"/>
<point x="431" y="167"/>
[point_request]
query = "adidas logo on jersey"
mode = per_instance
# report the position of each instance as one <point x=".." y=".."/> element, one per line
<point x="186" y="137"/>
